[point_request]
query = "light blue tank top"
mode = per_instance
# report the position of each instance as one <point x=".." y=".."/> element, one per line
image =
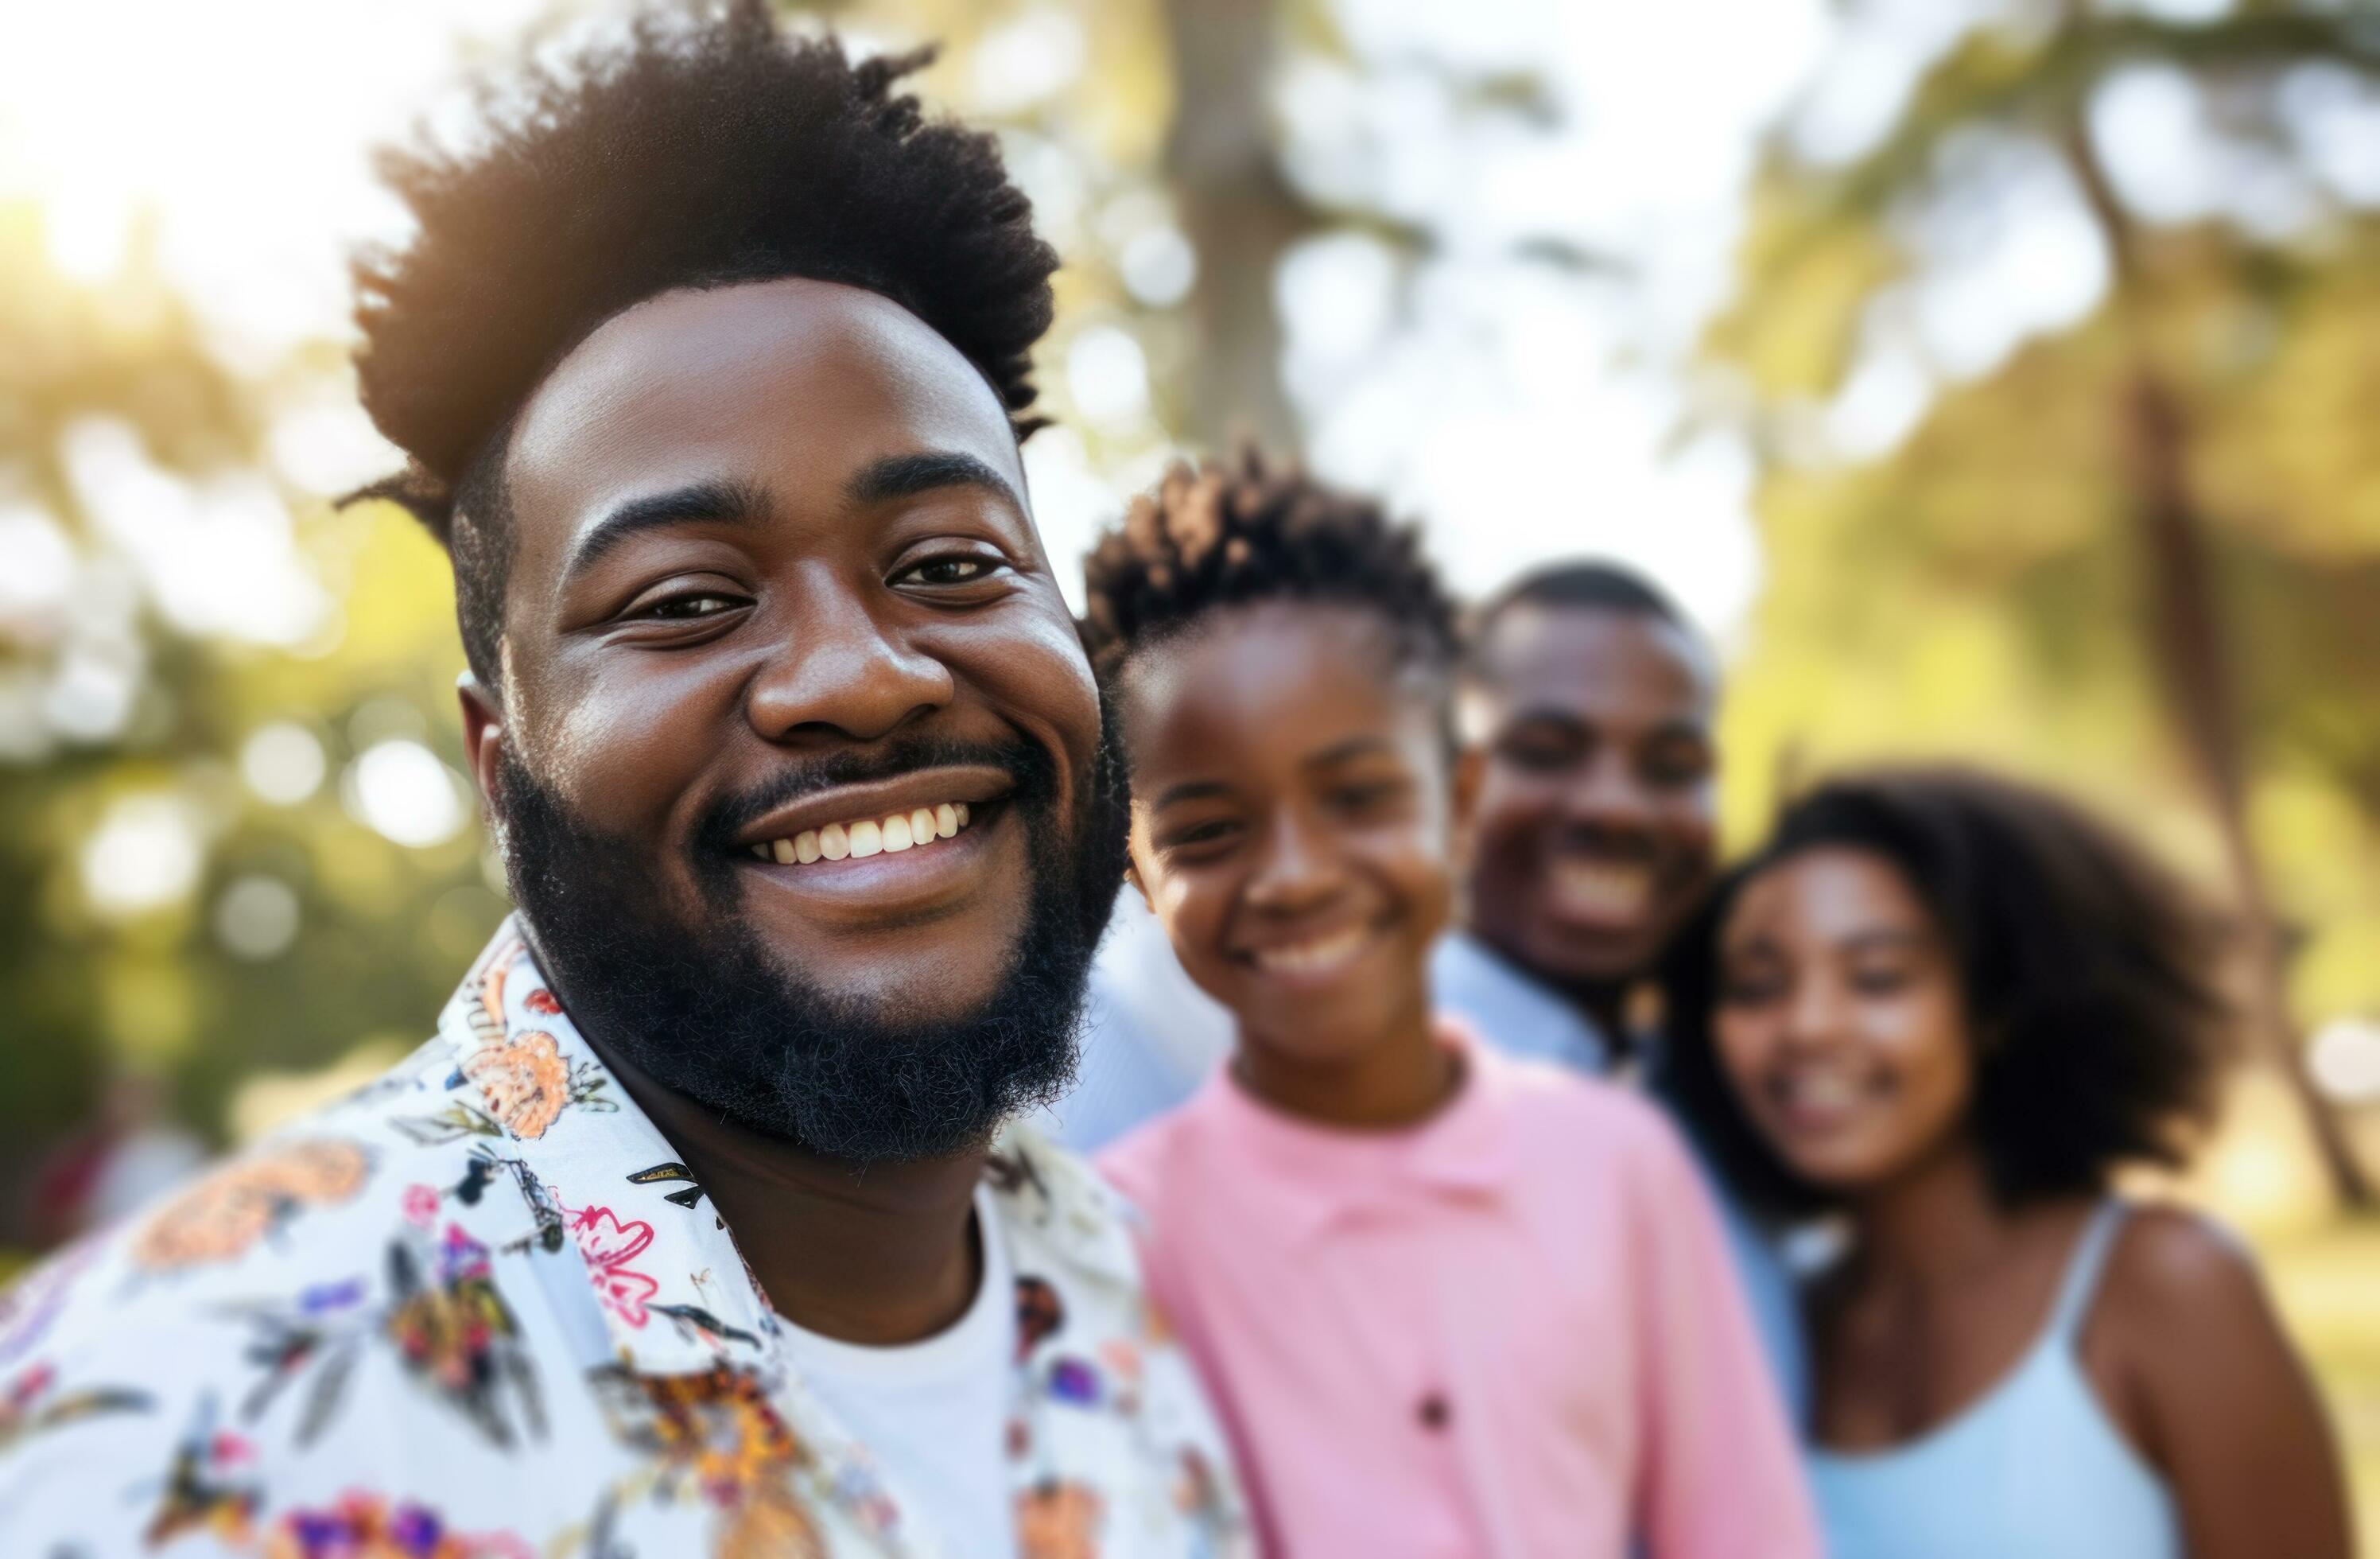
<point x="2035" y="1468"/>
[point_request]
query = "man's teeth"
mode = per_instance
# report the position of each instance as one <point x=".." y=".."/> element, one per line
<point x="856" y="841"/>
<point x="1307" y="957"/>
<point x="1604" y="887"/>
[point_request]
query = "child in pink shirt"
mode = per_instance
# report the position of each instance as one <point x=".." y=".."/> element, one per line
<point x="1449" y="1303"/>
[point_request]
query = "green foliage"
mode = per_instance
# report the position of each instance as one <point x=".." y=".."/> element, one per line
<point x="1979" y="589"/>
<point x="380" y="928"/>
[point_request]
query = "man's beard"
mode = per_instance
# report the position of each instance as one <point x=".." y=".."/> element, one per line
<point x="704" y="1009"/>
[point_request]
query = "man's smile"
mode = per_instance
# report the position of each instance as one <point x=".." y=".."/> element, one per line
<point x="856" y="822"/>
<point x="857" y="841"/>
<point x="1601" y="892"/>
<point x="909" y="844"/>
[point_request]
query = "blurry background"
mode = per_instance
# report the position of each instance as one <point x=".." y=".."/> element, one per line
<point x="1991" y="377"/>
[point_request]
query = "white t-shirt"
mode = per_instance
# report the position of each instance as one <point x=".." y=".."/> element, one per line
<point x="934" y="1414"/>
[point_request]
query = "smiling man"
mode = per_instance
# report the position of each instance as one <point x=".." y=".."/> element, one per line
<point x="1587" y="794"/>
<point x="692" y="1230"/>
<point x="1588" y="826"/>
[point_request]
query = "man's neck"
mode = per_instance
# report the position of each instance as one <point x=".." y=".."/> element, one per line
<point x="877" y="1254"/>
<point x="1606" y="1006"/>
<point x="1604" y="1003"/>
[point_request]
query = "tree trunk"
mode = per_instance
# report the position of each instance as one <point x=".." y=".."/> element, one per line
<point x="1238" y="214"/>
<point x="2187" y="641"/>
<point x="2189" y="650"/>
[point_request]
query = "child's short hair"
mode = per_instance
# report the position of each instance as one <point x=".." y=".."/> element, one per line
<point x="1242" y="532"/>
<point x="2088" y="976"/>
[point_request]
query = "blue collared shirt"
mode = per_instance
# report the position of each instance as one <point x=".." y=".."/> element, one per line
<point x="1150" y="1037"/>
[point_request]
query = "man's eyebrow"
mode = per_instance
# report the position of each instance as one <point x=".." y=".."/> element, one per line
<point x="704" y="503"/>
<point x="904" y="476"/>
<point x="1567" y="722"/>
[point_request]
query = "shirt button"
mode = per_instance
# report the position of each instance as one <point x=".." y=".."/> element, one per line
<point x="1433" y="1412"/>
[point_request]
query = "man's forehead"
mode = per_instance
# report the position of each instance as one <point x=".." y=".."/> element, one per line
<point x="789" y="381"/>
<point x="1588" y="656"/>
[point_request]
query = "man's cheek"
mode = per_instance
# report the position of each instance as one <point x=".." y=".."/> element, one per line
<point x="1503" y="818"/>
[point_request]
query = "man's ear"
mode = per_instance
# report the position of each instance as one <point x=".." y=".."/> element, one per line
<point x="483" y="735"/>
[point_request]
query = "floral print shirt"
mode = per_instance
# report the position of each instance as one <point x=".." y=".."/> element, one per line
<point x="479" y="1310"/>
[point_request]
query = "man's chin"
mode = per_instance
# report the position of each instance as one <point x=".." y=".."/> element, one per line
<point x="890" y="1048"/>
<point x="1582" y="957"/>
<point x="919" y="995"/>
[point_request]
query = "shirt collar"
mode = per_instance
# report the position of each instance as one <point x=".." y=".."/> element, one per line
<point x="586" y="1166"/>
<point x="1518" y="1013"/>
<point x="1320" y="1177"/>
<point x="574" y="1159"/>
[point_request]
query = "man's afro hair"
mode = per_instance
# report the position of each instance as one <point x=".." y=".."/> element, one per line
<point x="1234" y="533"/>
<point x="706" y="149"/>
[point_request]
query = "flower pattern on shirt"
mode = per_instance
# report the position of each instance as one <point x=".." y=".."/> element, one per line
<point x="367" y="1526"/>
<point x="229" y="1210"/>
<point x="526" y="1081"/>
<point x="1058" y="1521"/>
<point x="610" y="1249"/>
<point x="399" y="1330"/>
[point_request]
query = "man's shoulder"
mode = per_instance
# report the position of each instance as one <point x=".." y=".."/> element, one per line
<point x="285" y="1314"/>
<point x="304" y="1210"/>
<point x="1516" y="1013"/>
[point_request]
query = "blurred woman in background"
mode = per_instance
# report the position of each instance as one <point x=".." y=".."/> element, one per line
<point x="1950" y="1010"/>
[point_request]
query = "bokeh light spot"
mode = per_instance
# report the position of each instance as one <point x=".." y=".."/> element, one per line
<point x="402" y="792"/>
<point x="256" y="918"/>
<point x="282" y="762"/>
<point x="145" y="855"/>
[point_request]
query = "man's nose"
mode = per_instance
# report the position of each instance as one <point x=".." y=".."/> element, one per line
<point x="1606" y="792"/>
<point x="843" y="672"/>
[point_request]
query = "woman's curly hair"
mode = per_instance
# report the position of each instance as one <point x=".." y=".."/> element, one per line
<point x="1236" y="532"/>
<point x="707" y="148"/>
<point x="2087" y="974"/>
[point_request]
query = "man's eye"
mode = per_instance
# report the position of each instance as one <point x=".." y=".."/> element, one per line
<point x="1673" y="770"/>
<point x="958" y="568"/>
<point x="1539" y="757"/>
<point x="689" y="608"/>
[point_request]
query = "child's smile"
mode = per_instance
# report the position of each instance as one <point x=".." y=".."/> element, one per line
<point x="1317" y="959"/>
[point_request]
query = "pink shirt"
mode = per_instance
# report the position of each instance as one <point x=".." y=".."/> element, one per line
<point x="1512" y="1329"/>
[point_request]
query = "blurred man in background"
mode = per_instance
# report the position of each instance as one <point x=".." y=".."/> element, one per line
<point x="712" y="359"/>
<point x="1587" y="835"/>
